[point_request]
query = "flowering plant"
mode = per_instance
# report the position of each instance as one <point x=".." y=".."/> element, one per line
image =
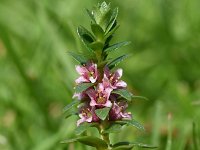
<point x="101" y="96"/>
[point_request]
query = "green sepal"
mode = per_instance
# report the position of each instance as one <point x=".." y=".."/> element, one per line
<point x="116" y="46"/>
<point x="98" y="32"/>
<point x="72" y="104"/>
<point x="79" y="57"/>
<point x="102" y="113"/>
<point x="131" y="123"/>
<point x="116" y="61"/>
<point x="114" y="128"/>
<point x="82" y="87"/>
<point x="123" y="93"/>
<point x="83" y="127"/>
<point x="88" y="140"/>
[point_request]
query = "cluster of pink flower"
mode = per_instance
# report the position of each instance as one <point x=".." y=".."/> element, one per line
<point x="100" y="95"/>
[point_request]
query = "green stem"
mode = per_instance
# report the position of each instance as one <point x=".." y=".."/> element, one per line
<point x="104" y="136"/>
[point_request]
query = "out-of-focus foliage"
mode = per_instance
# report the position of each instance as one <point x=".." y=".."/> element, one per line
<point x="36" y="73"/>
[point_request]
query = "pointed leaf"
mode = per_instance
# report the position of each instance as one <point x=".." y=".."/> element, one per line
<point x="116" y="46"/>
<point x="83" y="127"/>
<point x="116" y="61"/>
<point x="140" y="97"/>
<point x="88" y="140"/>
<point x="91" y="15"/>
<point x="131" y="123"/>
<point x="112" y="20"/>
<point x="102" y="15"/>
<point x="131" y="144"/>
<point x="95" y="46"/>
<point x="124" y="147"/>
<point x="85" y="36"/>
<point x="69" y="106"/>
<point x="79" y="57"/>
<point x="142" y="145"/>
<point x="69" y="141"/>
<point x="98" y="31"/>
<point x="82" y="87"/>
<point x="102" y="113"/>
<point x="113" y="129"/>
<point x="111" y="32"/>
<point x="70" y="114"/>
<point x="124" y="93"/>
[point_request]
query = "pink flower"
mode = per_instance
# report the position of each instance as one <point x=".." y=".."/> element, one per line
<point x="87" y="114"/>
<point x="88" y="72"/>
<point x="100" y="96"/>
<point x="113" y="79"/>
<point x="117" y="111"/>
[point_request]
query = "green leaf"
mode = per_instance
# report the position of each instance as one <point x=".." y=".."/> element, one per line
<point x="130" y="145"/>
<point x="131" y="123"/>
<point x="86" y="37"/>
<point x="107" y="35"/>
<point x="113" y="128"/>
<point x="140" y="97"/>
<point x="116" y="61"/>
<point x="70" y="114"/>
<point x="98" y="31"/>
<point x="69" y="106"/>
<point x="91" y="15"/>
<point x="116" y="46"/>
<point x="112" y="20"/>
<point x="142" y="145"/>
<point x="123" y="147"/>
<point x="124" y="93"/>
<point x="79" y="57"/>
<point x="95" y="46"/>
<point x="102" y="113"/>
<point x="83" y="127"/>
<point x="88" y="140"/>
<point x="82" y="87"/>
<point x="104" y="15"/>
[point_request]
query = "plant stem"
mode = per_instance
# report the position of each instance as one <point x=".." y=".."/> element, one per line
<point x="104" y="136"/>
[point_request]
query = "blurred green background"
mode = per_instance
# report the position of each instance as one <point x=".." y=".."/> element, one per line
<point x="37" y="76"/>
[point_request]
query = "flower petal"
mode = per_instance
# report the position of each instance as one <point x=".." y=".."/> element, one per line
<point x="92" y="80"/>
<point x="118" y="73"/>
<point x="81" y="70"/>
<point x="92" y="94"/>
<point x="78" y="95"/>
<point x="81" y="79"/>
<point x="93" y="103"/>
<point x="121" y="84"/>
<point x="108" y="103"/>
<point x="106" y="72"/>
<point x="126" y="115"/>
<point x="106" y="82"/>
<point x="100" y="87"/>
